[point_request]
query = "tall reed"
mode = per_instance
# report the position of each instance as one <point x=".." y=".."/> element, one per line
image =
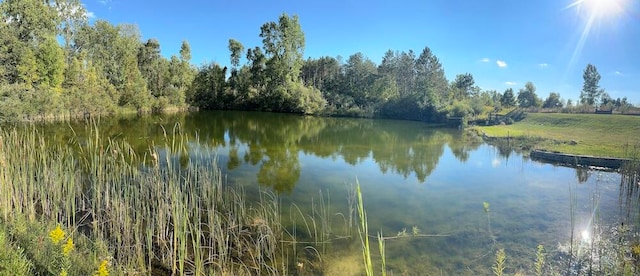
<point x="155" y="215"/>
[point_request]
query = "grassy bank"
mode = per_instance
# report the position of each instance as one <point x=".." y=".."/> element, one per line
<point x="588" y="134"/>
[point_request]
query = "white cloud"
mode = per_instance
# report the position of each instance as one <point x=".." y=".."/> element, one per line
<point x="90" y="15"/>
<point x="105" y="3"/>
<point x="485" y="60"/>
<point x="510" y="83"/>
<point x="501" y="63"/>
<point x="618" y="73"/>
<point x="543" y="65"/>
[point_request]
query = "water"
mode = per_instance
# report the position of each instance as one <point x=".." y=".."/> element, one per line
<point x="411" y="175"/>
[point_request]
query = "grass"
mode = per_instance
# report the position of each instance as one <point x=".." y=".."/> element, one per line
<point x="598" y="135"/>
<point x="153" y="216"/>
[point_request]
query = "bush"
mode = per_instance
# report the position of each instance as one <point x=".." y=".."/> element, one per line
<point x="308" y="100"/>
<point x="159" y="104"/>
<point x="459" y="109"/>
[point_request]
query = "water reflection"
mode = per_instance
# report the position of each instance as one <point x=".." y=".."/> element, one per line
<point x="582" y="174"/>
<point x="411" y="175"/>
<point x="274" y="142"/>
<point x="630" y="192"/>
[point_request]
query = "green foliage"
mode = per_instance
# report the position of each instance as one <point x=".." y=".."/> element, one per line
<point x="508" y="98"/>
<point x="283" y="43"/>
<point x="463" y="84"/>
<point x="590" y="89"/>
<point x="459" y="109"/>
<point x="12" y="257"/>
<point x="553" y="101"/>
<point x="34" y="251"/>
<point x="322" y="73"/>
<point x="154" y="68"/>
<point x="477" y="105"/>
<point x="208" y="87"/>
<point x="102" y="67"/>
<point x="527" y="96"/>
<point x="73" y="16"/>
<point x="51" y="64"/>
<point x="236" y="48"/>
<point x="32" y="20"/>
<point x="307" y="100"/>
<point x="21" y="102"/>
<point x="134" y="89"/>
<point x="27" y="67"/>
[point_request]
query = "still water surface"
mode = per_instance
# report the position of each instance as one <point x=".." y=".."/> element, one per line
<point x="411" y="175"/>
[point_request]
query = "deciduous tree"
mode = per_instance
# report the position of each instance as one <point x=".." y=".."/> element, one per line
<point x="553" y="101"/>
<point x="527" y="97"/>
<point x="590" y="89"/>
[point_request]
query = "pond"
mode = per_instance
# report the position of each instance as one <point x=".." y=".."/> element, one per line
<point x="423" y="187"/>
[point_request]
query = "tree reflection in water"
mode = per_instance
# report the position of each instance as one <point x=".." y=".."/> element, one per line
<point x="273" y="142"/>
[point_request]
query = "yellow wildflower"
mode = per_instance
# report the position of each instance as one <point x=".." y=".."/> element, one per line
<point x="63" y="273"/>
<point x="67" y="247"/>
<point x="56" y="235"/>
<point x="102" y="269"/>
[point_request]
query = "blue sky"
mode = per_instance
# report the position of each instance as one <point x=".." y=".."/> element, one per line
<point x="503" y="43"/>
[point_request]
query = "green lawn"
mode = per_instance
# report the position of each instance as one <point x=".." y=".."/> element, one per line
<point x="599" y="135"/>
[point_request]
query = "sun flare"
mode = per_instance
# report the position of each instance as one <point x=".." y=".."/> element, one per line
<point x="585" y="235"/>
<point x="600" y="8"/>
<point x="596" y="14"/>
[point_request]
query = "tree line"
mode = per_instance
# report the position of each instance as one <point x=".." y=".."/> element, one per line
<point x="405" y="85"/>
<point x="96" y="68"/>
<point x="53" y="61"/>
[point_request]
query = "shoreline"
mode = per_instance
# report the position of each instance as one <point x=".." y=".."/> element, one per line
<point x="527" y="146"/>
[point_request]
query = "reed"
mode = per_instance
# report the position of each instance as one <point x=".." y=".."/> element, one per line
<point x="363" y="230"/>
<point x="153" y="214"/>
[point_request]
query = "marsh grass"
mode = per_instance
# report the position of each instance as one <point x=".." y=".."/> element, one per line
<point x="153" y="215"/>
<point x="363" y="231"/>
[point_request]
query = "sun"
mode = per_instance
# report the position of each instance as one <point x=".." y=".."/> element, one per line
<point x="598" y="14"/>
<point x="600" y="9"/>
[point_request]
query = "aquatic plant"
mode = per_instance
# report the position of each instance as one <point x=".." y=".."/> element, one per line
<point x="499" y="265"/>
<point x="539" y="260"/>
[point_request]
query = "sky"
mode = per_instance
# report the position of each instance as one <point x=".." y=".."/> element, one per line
<point x="503" y="43"/>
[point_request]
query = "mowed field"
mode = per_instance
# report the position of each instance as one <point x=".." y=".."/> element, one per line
<point x="594" y="134"/>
